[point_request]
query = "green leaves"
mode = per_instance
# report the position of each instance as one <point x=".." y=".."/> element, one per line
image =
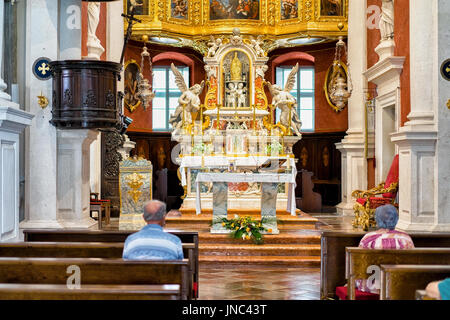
<point x="245" y="228"/>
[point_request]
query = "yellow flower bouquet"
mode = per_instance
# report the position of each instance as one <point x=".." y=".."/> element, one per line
<point x="245" y="228"/>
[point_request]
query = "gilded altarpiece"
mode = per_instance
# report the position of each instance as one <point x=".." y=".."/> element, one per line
<point x="135" y="185"/>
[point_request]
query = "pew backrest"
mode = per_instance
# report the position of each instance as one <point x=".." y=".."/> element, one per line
<point x="333" y="244"/>
<point x="95" y="271"/>
<point x="359" y="260"/>
<point x="400" y="282"/>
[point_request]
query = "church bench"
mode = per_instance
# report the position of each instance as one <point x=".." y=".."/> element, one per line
<point x="111" y="250"/>
<point x="82" y="235"/>
<point x="332" y="256"/>
<point x="400" y="282"/>
<point x="14" y="291"/>
<point x="358" y="260"/>
<point x="96" y="271"/>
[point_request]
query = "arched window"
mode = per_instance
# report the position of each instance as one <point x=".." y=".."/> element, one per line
<point x="303" y="92"/>
<point x="166" y="95"/>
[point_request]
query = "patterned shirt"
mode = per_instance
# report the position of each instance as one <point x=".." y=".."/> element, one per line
<point x="382" y="239"/>
<point x="152" y="243"/>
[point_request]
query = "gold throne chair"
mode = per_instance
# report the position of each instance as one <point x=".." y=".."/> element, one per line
<point x="368" y="200"/>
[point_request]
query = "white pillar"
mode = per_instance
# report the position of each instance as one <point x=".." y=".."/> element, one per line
<point x="354" y="163"/>
<point x="423" y="142"/>
<point x="3" y="95"/>
<point x="73" y="186"/>
<point x="42" y="20"/>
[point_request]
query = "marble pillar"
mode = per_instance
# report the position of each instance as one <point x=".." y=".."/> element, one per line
<point x="42" y="21"/>
<point x="352" y="147"/>
<point x="73" y="167"/>
<point x="12" y="122"/>
<point x="424" y="141"/>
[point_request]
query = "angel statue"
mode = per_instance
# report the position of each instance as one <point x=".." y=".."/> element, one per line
<point x="282" y="99"/>
<point x="213" y="45"/>
<point x="188" y="102"/>
<point x="256" y="44"/>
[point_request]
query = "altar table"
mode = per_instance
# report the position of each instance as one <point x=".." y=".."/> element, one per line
<point x="269" y="191"/>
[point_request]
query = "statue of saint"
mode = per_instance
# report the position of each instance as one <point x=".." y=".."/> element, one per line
<point x="94" y="46"/>
<point x="241" y="95"/>
<point x="387" y="20"/>
<point x="236" y="69"/>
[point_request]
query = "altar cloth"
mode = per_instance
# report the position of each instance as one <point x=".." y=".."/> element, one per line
<point x="235" y="177"/>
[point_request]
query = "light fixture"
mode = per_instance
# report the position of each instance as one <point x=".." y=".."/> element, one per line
<point x="165" y="40"/>
<point x="305" y="40"/>
<point x="341" y="86"/>
<point x="145" y="92"/>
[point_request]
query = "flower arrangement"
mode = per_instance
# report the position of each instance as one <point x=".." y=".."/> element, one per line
<point x="274" y="148"/>
<point x="202" y="148"/>
<point x="245" y="228"/>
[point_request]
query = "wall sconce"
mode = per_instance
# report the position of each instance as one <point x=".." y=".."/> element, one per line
<point x="145" y="92"/>
<point x="42" y="101"/>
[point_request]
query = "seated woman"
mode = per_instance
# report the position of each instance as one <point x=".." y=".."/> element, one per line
<point x="386" y="237"/>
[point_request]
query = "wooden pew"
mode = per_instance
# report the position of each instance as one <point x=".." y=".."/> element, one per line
<point x="96" y="271"/>
<point x="332" y="262"/>
<point x="112" y="250"/>
<point x="358" y="260"/>
<point x="400" y="282"/>
<point x="82" y="235"/>
<point x="13" y="291"/>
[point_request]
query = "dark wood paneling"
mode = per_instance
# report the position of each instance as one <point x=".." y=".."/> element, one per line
<point x="317" y="153"/>
<point x="150" y="146"/>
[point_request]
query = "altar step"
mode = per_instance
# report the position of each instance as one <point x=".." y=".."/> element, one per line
<point x="240" y="212"/>
<point x="305" y="237"/>
<point x="267" y="261"/>
<point x="251" y="250"/>
<point x="203" y="220"/>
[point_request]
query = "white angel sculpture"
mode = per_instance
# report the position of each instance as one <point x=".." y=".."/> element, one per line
<point x="188" y="102"/>
<point x="281" y="98"/>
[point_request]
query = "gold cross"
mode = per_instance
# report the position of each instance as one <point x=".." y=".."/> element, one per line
<point x="447" y="70"/>
<point x="44" y="68"/>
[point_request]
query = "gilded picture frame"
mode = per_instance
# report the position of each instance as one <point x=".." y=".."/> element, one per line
<point x="320" y="17"/>
<point x="131" y="72"/>
<point x="327" y="84"/>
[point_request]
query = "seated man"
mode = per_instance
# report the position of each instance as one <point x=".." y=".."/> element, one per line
<point x="439" y="290"/>
<point x="386" y="237"/>
<point x="151" y="242"/>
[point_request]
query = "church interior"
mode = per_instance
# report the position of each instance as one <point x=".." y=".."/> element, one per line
<point x="284" y="137"/>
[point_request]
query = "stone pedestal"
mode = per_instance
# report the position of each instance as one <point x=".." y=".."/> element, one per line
<point x="385" y="49"/>
<point x="73" y="177"/>
<point x="12" y="122"/>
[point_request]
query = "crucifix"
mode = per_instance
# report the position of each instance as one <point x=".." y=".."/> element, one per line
<point x="130" y="19"/>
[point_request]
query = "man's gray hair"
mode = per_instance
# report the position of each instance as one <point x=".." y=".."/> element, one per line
<point x="155" y="212"/>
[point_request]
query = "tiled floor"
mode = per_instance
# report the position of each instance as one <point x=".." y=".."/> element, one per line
<point x="232" y="283"/>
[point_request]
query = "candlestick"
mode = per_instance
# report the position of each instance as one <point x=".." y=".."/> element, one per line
<point x="254" y="120"/>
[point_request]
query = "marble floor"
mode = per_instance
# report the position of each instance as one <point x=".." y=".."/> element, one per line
<point x="238" y="283"/>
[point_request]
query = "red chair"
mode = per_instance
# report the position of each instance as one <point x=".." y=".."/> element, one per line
<point x="99" y="206"/>
<point x="367" y="201"/>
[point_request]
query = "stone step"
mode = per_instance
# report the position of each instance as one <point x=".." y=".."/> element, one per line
<point x="282" y="238"/>
<point x="288" y="261"/>
<point x="259" y="250"/>
<point x="241" y="212"/>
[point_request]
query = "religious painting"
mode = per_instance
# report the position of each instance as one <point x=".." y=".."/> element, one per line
<point x="131" y="98"/>
<point x="179" y="9"/>
<point x="332" y="8"/>
<point x="233" y="9"/>
<point x="141" y="7"/>
<point x="289" y="9"/>
<point x="236" y="73"/>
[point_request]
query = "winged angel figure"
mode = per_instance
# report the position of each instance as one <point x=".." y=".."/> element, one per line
<point x="189" y="100"/>
<point x="281" y="98"/>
